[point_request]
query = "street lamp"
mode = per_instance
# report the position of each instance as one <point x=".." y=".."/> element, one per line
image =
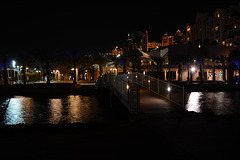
<point x="14" y="64"/>
<point x="193" y="69"/>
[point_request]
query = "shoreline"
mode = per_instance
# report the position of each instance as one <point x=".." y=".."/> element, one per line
<point x="46" y="89"/>
<point x="211" y="87"/>
<point x="208" y="87"/>
<point x="69" y="88"/>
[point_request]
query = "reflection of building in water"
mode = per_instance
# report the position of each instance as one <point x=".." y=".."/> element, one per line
<point x="56" y="110"/>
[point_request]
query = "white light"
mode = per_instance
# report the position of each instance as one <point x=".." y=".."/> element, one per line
<point x="193" y="69"/>
<point x="118" y="56"/>
<point x="14" y="64"/>
<point x="144" y="72"/>
<point x="169" y="89"/>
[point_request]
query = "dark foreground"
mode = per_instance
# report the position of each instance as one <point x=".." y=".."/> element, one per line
<point x="172" y="136"/>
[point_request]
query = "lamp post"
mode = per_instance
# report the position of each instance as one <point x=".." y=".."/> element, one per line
<point x="14" y="66"/>
<point x="193" y="69"/>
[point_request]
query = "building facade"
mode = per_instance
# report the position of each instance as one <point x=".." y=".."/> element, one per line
<point x="186" y="62"/>
<point x="218" y="28"/>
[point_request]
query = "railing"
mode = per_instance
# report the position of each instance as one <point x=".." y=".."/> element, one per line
<point x="125" y="86"/>
<point x="167" y="90"/>
<point x="128" y="92"/>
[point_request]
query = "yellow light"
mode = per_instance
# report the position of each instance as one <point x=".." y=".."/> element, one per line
<point x="149" y="81"/>
<point x="127" y="86"/>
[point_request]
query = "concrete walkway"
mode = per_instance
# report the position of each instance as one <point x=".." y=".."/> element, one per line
<point x="153" y="104"/>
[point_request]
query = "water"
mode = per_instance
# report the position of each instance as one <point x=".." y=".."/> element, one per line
<point x="45" y="110"/>
<point x="221" y="103"/>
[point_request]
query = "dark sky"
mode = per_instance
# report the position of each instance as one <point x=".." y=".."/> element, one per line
<point x="96" y="27"/>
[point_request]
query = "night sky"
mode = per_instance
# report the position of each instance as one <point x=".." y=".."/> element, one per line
<point x="25" y="24"/>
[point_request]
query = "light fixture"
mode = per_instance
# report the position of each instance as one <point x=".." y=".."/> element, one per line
<point x="193" y="69"/>
<point x="169" y="89"/>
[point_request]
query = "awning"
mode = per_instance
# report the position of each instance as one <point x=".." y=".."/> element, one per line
<point x="156" y="53"/>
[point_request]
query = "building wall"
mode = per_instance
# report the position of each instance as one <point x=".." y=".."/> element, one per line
<point x="222" y="27"/>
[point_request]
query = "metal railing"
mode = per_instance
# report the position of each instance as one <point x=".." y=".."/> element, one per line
<point x="167" y="90"/>
<point x="127" y="91"/>
<point x="126" y="87"/>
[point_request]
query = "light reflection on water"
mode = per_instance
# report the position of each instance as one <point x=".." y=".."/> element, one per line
<point x="221" y="103"/>
<point x="194" y="102"/>
<point x="68" y="109"/>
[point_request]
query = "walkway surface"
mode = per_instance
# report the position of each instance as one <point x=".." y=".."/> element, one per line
<point x="153" y="104"/>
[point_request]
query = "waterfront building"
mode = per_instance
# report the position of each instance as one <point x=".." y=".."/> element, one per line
<point x="186" y="62"/>
<point x="220" y="27"/>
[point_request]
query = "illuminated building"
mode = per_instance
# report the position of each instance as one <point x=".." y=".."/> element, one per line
<point x="167" y="40"/>
<point x="116" y="51"/>
<point x="222" y="27"/>
<point x="182" y="63"/>
<point x="154" y="44"/>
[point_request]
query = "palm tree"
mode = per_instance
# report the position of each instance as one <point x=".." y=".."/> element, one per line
<point x="86" y="61"/>
<point x="74" y="56"/>
<point x="5" y="59"/>
<point x="100" y="59"/>
<point x="45" y="57"/>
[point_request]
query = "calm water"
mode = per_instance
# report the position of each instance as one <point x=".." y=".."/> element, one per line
<point x="43" y="110"/>
<point x="221" y="103"/>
